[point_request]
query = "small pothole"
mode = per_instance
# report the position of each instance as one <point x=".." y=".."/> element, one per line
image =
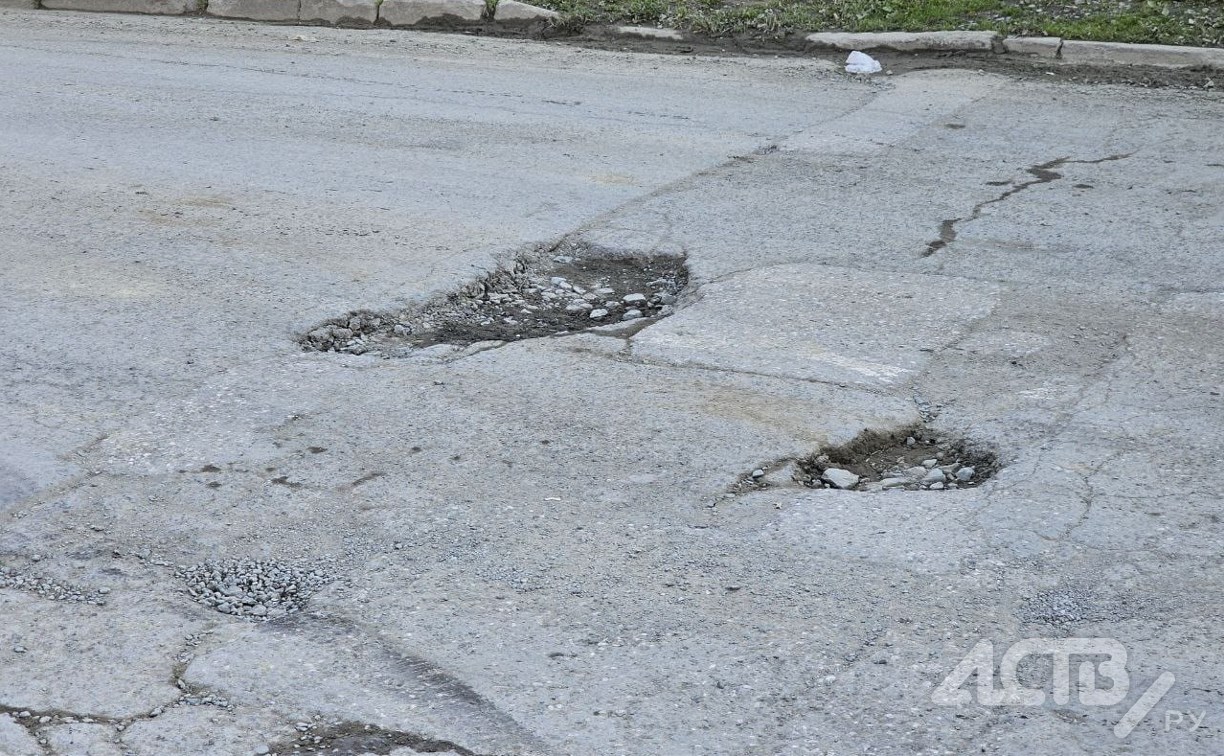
<point x="352" y="739"/>
<point x="911" y="459"/>
<point x="563" y="290"/>
<point x="253" y="589"/>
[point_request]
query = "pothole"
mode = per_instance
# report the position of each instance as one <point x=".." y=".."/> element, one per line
<point x="563" y="290"/>
<point x="910" y="459"/>
<point x="253" y="589"/>
<point x="352" y="739"/>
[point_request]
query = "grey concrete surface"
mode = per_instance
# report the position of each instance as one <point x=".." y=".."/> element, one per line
<point x="255" y="10"/>
<point x="157" y="7"/>
<point x="1117" y="53"/>
<point x="934" y="40"/>
<point x="338" y="11"/>
<point x="533" y="547"/>
<point x="1040" y="47"/>
<point x="649" y="32"/>
<point x="413" y="12"/>
<point x="513" y="10"/>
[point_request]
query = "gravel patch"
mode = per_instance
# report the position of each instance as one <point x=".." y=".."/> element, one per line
<point x="1073" y="605"/>
<point x="50" y="589"/>
<point x="254" y="589"/>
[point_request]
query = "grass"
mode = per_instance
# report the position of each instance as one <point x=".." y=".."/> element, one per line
<point x="1198" y="22"/>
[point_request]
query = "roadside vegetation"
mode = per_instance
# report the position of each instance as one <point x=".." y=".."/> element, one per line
<point x="1200" y="22"/>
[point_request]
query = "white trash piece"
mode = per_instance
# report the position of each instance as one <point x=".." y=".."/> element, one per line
<point x="860" y="62"/>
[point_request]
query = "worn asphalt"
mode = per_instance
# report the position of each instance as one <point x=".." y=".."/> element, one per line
<point x="532" y="548"/>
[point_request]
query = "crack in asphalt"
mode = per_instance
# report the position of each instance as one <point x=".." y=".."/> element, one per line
<point x="626" y="356"/>
<point x="1043" y="173"/>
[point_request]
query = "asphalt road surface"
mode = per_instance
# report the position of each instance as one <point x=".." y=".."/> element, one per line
<point x="547" y="547"/>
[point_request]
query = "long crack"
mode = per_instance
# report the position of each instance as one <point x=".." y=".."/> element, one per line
<point x="1043" y="173"/>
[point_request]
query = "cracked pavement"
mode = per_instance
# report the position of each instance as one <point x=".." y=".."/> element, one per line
<point x="530" y="548"/>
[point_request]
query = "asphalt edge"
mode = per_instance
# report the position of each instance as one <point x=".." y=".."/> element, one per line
<point x="423" y="14"/>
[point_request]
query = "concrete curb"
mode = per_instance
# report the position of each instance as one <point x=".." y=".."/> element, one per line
<point x="410" y="13"/>
<point x="1036" y="47"/>
<point x="155" y="7"/>
<point x="254" y="10"/>
<point x="940" y="41"/>
<point x="1118" y="53"/>
<point x="339" y="12"/>
<point x="514" y="10"/>
<point x="413" y="12"/>
<point x="647" y="32"/>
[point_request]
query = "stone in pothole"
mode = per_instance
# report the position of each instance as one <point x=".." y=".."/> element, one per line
<point x="909" y="459"/>
<point x="539" y="295"/>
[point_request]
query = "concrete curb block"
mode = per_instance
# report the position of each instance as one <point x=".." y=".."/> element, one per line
<point x="950" y="41"/>
<point x="1037" y="47"/>
<point x="23" y="4"/>
<point x="254" y="10"/>
<point x="1120" y="53"/>
<point x="647" y="32"/>
<point x="513" y="10"/>
<point x="339" y="12"/>
<point x="413" y="12"/>
<point x="154" y="7"/>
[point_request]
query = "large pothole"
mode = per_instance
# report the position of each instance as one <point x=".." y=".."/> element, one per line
<point x="566" y="289"/>
<point x="910" y="459"/>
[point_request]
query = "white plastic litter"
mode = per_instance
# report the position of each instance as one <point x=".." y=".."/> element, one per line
<point x="860" y="62"/>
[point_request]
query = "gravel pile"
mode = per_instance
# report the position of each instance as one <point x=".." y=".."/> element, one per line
<point x="257" y="590"/>
<point x="47" y="588"/>
<point x="560" y="294"/>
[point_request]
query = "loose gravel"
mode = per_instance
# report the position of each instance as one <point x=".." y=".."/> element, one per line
<point x="1071" y="605"/>
<point x="50" y="589"/>
<point x="350" y="738"/>
<point x="916" y="459"/>
<point x="253" y="589"/>
<point x="910" y="460"/>
<point x="545" y="294"/>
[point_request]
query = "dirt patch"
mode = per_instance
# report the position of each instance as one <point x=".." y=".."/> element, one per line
<point x="560" y="291"/>
<point x="910" y="459"/>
